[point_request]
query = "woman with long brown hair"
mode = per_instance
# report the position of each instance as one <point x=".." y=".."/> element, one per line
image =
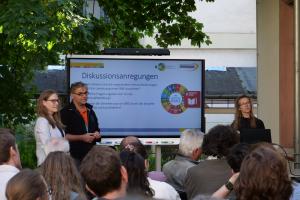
<point x="244" y="117"/>
<point x="48" y="129"/>
<point x="62" y="177"/>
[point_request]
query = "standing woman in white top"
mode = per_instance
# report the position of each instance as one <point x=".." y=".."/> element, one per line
<point x="48" y="130"/>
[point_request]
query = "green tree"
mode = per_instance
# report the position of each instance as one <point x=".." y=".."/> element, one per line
<point x="167" y="20"/>
<point x="33" y="33"/>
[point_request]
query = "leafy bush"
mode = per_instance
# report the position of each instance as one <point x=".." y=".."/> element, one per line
<point x="26" y="144"/>
<point x="167" y="153"/>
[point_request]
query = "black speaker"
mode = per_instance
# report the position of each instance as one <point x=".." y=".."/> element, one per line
<point x="136" y="51"/>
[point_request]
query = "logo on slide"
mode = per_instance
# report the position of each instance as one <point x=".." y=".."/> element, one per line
<point x="175" y="99"/>
<point x="161" y="67"/>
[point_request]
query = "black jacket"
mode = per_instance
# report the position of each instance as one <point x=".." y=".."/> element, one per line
<point x="245" y="123"/>
<point x="75" y="125"/>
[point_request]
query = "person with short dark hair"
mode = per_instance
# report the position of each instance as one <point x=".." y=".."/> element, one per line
<point x="27" y="185"/>
<point x="59" y="168"/>
<point x="10" y="163"/>
<point x="218" y="141"/>
<point x="103" y="173"/>
<point x="234" y="158"/>
<point x="210" y="174"/>
<point x="82" y="128"/>
<point x="244" y="117"/>
<point x="263" y="175"/>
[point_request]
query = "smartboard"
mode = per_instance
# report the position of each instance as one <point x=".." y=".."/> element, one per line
<point x="145" y="96"/>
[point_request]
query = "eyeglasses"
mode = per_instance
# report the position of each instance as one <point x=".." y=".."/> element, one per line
<point x="82" y="93"/>
<point x="245" y="104"/>
<point x="53" y="100"/>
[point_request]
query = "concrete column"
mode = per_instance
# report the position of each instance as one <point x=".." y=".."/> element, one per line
<point x="268" y="64"/>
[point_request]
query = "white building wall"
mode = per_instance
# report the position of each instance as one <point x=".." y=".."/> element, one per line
<point x="231" y="25"/>
<point x="220" y="57"/>
<point x="227" y="16"/>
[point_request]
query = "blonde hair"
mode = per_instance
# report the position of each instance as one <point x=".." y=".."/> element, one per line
<point x="42" y="111"/>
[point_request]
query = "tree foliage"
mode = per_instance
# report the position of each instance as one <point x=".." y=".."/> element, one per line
<point x="167" y="20"/>
<point x="33" y="33"/>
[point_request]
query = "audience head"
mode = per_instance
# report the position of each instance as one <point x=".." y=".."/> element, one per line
<point x="103" y="172"/>
<point x="190" y="143"/>
<point x="48" y="106"/>
<point x="236" y="155"/>
<point x="263" y="175"/>
<point x="137" y="176"/>
<point x="219" y="140"/>
<point x="62" y="176"/>
<point x="9" y="153"/>
<point x="128" y="140"/>
<point x="132" y="143"/>
<point x="27" y="185"/>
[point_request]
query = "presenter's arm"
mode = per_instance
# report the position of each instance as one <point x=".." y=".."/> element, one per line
<point x="42" y="131"/>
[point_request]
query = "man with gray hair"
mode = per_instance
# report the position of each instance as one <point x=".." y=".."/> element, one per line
<point x="188" y="154"/>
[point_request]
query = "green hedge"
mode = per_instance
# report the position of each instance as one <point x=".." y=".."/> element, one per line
<point x="26" y="144"/>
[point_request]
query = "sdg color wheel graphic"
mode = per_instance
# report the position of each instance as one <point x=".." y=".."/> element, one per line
<point x="172" y="98"/>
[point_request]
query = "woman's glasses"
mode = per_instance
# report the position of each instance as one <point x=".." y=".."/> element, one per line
<point x="53" y="100"/>
<point x="245" y="104"/>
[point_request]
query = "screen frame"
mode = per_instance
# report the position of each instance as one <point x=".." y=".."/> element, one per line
<point x="126" y="57"/>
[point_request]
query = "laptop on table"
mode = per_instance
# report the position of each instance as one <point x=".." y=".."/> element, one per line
<point x="252" y="136"/>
